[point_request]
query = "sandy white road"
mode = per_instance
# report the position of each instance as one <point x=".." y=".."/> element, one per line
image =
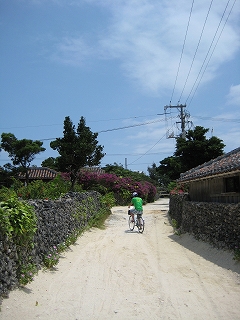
<point x="118" y="274"/>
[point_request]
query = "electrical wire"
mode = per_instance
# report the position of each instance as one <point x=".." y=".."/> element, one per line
<point x="208" y="52"/>
<point x="190" y="69"/>
<point x="182" y="51"/>
<point x="58" y="124"/>
<point x="212" y="52"/>
<point x="131" y="126"/>
<point x="147" y="150"/>
<point x="217" y="119"/>
<point x="120" y="128"/>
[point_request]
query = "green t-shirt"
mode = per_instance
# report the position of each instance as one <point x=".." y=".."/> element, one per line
<point x="137" y="202"/>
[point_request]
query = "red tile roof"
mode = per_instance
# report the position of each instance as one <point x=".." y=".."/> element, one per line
<point x="42" y="173"/>
<point x="228" y="162"/>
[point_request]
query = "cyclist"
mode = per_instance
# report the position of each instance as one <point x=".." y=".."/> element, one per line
<point x="137" y="203"/>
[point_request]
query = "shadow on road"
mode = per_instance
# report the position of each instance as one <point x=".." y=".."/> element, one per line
<point x="222" y="258"/>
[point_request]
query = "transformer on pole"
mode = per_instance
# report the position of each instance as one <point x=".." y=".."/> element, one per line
<point x="184" y="116"/>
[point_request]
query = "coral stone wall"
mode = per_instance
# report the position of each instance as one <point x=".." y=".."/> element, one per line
<point x="56" y="220"/>
<point x="216" y="223"/>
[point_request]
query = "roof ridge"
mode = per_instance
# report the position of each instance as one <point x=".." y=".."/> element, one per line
<point x="214" y="166"/>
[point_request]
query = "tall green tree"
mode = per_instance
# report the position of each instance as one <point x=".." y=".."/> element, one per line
<point x="169" y="169"/>
<point x="78" y="148"/>
<point x="51" y="163"/>
<point x="160" y="177"/>
<point x="197" y="149"/>
<point x="190" y="152"/>
<point x="22" y="152"/>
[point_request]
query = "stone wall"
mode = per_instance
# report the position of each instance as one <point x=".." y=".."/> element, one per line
<point x="56" y="221"/>
<point x="216" y="223"/>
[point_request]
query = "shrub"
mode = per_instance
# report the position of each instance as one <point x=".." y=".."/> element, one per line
<point x="18" y="222"/>
<point x="26" y="273"/>
<point x="52" y="258"/>
<point x="121" y="187"/>
<point x="44" y="190"/>
<point x="17" y="218"/>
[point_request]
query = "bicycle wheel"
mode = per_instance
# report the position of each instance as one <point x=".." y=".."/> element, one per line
<point x="140" y="225"/>
<point x="131" y="223"/>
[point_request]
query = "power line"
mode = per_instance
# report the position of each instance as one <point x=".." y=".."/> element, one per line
<point x="131" y="126"/>
<point x="147" y="150"/>
<point x="213" y="50"/>
<point x="182" y="51"/>
<point x="58" y="124"/>
<point x="190" y="69"/>
<point x="120" y="128"/>
<point x="217" y="119"/>
<point x="132" y="154"/>
<point x="208" y="52"/>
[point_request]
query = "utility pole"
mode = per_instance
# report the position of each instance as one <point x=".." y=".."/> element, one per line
<point x="183" y="117"/>
<point x="125" y="163"/>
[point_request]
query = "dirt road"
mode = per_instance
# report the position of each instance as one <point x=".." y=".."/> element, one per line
<point x="118" y="274"/>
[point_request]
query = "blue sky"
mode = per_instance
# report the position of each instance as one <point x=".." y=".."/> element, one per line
<point x="117" y="63"/>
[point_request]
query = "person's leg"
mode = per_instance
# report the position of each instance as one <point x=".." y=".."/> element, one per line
<point x="139" y="221"/>
<point x="132" y="214"/>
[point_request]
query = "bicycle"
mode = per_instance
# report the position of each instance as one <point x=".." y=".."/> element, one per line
<point x="138" y="222"/>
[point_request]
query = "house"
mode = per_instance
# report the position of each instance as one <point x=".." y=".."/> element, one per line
<point x="217" y="180"/>
<point x="46" y="174"/>
<point x="39" y="173"/>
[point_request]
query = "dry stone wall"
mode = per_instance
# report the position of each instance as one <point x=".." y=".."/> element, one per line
<point x="216" y="223"/>
<point x="56" y="221"/>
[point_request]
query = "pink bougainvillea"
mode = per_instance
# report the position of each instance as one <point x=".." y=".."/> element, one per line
<point x="113" y="183"/>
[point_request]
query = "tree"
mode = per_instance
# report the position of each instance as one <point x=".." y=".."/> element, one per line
<point x="22" y="152"/>
<point x="51" y="163"/>
<point x="119" y="171"/>
<point x="190" y="152"/>
<point x="169" y="169"/>
<point x="197" y="149"/>
<point x="77" y="149"/>
<point x="159" y="176"/>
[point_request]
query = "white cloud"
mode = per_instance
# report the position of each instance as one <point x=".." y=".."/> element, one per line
<point x="233" y="98"/>
<point x="72" y="51"/>
<point x="147" y="36"/>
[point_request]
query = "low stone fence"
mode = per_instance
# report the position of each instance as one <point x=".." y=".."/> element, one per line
<point x="56" y="221"/>
<point x="216" y="223"/>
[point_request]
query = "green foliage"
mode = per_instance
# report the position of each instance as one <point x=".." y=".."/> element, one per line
<point x="5" y="221"/>
<point x="17" y="218"/>
<point x="51" y="163"/>
<point x="6" y="174"/>
<point x="18" y="222"/>
<point x="61" y="247"/>
<point x="197" y="149"/>
<point x="236" y="254"/>
<point x="171" y="186"/>
<point x="78" y="148"/>
<point x="16" y="184"/>
<point x="72" y="238"/>
<point x="42" y="190"/>
<point x="52" y="258"/>
<point x="122" y="187"/>
<point x="22" y="152"/>
<point x="174" y="223"/>
<point x="177" y="230"/>
<point x="119" y="171"/>
<point x="160" y="175"/>
<point x="170" y="167"/>
<point x="108" y="200"/>
<point x="6" y="193"/>
<point x="26" y="273"/>
<point x="190" y="152"/>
